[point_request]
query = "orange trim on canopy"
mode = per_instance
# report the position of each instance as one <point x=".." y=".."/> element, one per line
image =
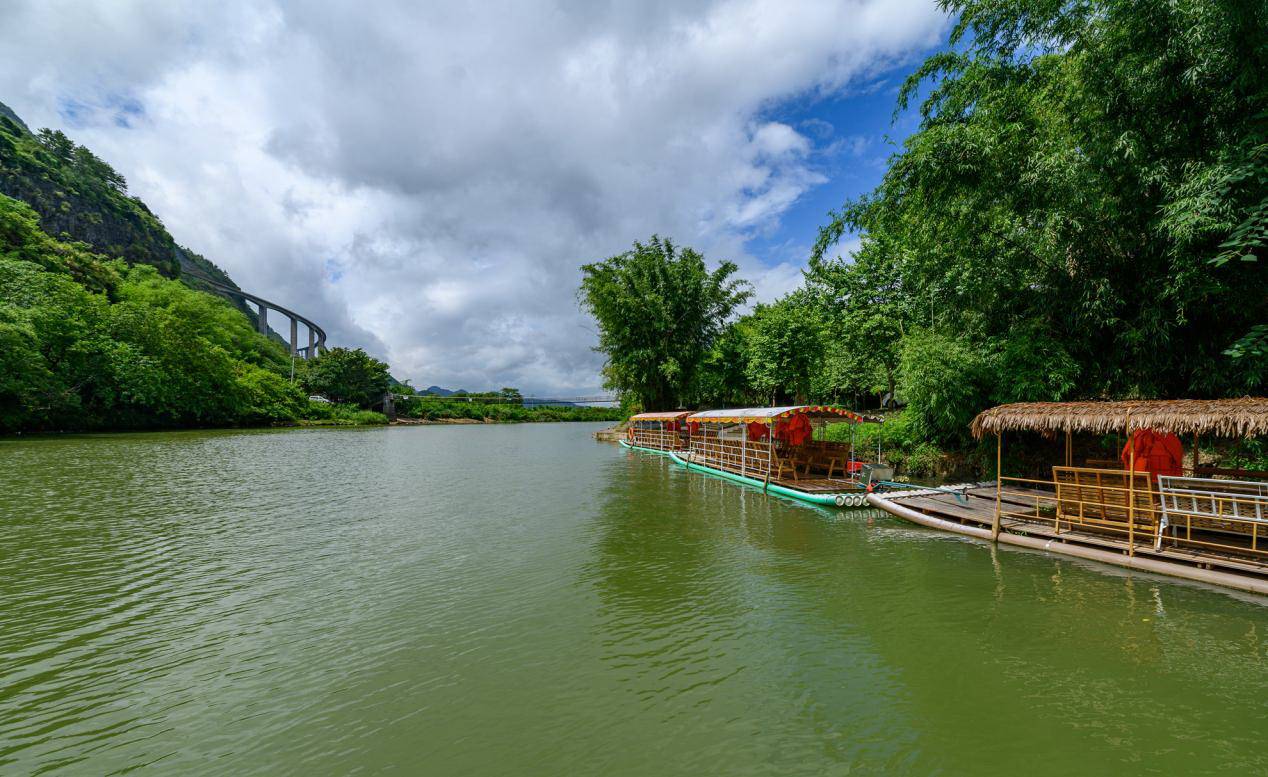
<point x="665" y="415"/>
<point x="770" y="415"/>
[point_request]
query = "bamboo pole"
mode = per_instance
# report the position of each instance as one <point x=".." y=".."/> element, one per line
<point x="770" y="454"/>
<point x="999" y="483"/>
<point x="1069" y="450"/>
<point x="1131" y="491"/>
<point x="1195" y="454"/>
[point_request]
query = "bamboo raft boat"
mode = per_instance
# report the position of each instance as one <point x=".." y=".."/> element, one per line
<point x="1154" y="509"/>
<point x="771" y="448"/>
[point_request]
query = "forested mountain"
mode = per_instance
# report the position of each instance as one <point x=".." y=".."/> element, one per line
<point x="81" y="197"/>
<point x="96" y="332"/>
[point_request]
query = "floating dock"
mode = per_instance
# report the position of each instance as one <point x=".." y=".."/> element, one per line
<point x="971" y="512"/>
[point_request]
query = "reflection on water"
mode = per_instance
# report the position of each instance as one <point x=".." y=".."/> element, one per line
<point x="518" y="599"/>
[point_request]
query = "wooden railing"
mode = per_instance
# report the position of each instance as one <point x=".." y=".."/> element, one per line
<point x="659" y="439"/>
<point x="1224" y="516"/>
<point x="751" y="458"/>
<point x="754" y="458"/>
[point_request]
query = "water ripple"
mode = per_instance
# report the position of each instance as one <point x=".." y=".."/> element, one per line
<point x="488" y="600"/>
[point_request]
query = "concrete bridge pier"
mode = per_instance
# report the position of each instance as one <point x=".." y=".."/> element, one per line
<point x="316" y="335"/>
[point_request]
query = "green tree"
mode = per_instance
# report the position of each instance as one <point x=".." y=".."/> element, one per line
<point x="723" y="380"/>
<point x="1083" y="204"/>
<point x="944" y="380"/>
<point x="660" y="311"/>
<point x="346" y="375"/>
<point x="87" y="342"/>
<point x="866" y="312"/>
<point x="785" y="348"/>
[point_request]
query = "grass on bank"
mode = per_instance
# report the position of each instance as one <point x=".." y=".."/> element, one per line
<point x="329" y="414"/>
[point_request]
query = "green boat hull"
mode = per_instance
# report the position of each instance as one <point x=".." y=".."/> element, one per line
<point x="632" y="447"/>
<point x="839" y="499"/>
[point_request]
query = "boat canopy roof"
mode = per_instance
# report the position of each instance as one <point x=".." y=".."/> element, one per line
<point x="767" y="415"/>
<point x="1234" y="418"/>
<point x="667" y="415"/>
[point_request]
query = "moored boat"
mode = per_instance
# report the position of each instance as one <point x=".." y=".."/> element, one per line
<point x="774" y="449"/>
<point x="1153" y="508"/>
<point x="657" y="432"/>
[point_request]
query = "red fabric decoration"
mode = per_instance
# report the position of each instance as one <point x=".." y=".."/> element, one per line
<point x="795" y="431"/>
<point x="1157" y="454"/>
<point x="693" y="428"/>
<point x="757" y="431"/>
<point x="801" y="431"/>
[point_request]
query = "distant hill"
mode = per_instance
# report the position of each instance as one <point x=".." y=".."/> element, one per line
<point x="528" y="401"/>
<point x="103" y="319"/>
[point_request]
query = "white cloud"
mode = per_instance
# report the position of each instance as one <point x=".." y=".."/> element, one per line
<point x="425" y="180"/>
<point x="775" y="140"/>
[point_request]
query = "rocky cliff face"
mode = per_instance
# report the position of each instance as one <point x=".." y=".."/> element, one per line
<point x="7" y="113"/>
<point x="80" y="197"/>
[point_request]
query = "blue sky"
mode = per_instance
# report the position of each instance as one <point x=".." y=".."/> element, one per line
<point x="863" y="121"/>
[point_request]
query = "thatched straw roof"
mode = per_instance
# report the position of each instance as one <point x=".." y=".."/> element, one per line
<point x="1246" y="417"/>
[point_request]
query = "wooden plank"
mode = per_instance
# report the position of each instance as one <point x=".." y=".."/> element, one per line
<point x="981" y="511"/>
<point x="948" y="507"/>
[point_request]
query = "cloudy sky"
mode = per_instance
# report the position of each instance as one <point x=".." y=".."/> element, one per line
<point x="424" y="179"/>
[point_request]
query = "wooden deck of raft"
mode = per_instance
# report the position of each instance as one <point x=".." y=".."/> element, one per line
<point x="819" y="485"/>
<point x="979" y="510"/>
<point x="809" y="484"/>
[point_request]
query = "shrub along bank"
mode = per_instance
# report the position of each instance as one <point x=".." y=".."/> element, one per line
<point x="507" y="413"/>
<point x="331" y="414"/>
<point x="88" y="342"/>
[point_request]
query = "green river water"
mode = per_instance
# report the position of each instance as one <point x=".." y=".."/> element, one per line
<point x="520" y="600"/>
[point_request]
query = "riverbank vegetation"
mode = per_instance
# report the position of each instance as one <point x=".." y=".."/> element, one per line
<point x="88" y="342"/>
<point x="1082" y="213"/>
<point x="319" y="413"/>
<point x="345" y="376"/>
<point x="103" y="323"/>
<point x="430" y="408"/>
<point x="660" y="312"/>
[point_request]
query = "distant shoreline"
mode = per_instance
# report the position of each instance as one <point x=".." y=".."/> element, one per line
<point x="405" y="421"/>
<point x="287" y="427"/>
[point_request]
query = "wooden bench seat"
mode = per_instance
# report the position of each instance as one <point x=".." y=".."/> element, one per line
<point x="1106" y="500"/>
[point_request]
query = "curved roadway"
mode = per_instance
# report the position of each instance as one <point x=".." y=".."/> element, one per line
<point x="316" y="335"/>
